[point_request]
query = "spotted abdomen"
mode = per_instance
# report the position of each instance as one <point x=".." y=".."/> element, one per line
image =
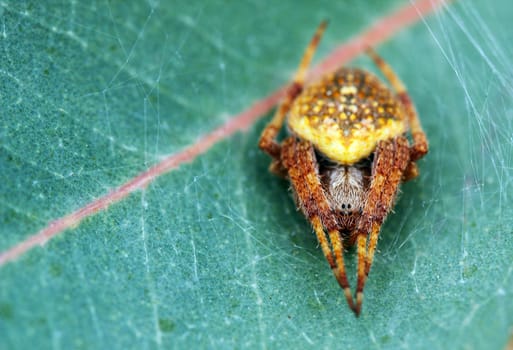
<point x="346" y="113"/>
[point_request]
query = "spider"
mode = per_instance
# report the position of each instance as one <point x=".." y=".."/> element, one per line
<point x="345" y="156"/>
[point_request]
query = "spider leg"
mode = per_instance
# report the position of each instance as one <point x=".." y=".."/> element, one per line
<point x="411" y="172"/>
<point x="391" y="160"/>
<point x="305" y="198"/>
<point x="373" y="241"/>
<point x="420" y="144"/>
<point x="298" y="158"/>
<point x="268" y="141"/>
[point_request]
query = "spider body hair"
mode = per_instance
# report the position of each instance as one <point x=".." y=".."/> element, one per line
<point x="346" y="189"/>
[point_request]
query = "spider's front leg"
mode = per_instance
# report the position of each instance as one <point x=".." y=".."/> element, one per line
<point x="298" y="158"/>
<point x="391" y="160"/>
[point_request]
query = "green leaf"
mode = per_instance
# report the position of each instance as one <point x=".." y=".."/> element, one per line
<point x="214" y="254"/>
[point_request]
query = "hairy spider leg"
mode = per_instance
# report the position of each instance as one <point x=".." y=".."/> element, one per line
<point x="373" y="242"/>
<point x="391" y="159"/>
<point x="416" y="151"/>
<point x="298" y="158"/>
<point x="420" y="144"/>
<point x="268" y="138"/>
<point x="304" y="197"/>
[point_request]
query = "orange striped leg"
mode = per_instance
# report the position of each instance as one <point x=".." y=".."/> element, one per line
<point x="420" y="144"/>
<point x="412" y="170"/>
<point x="268" y="138"/>
<point x="391" y="159"/>
<point x="323" y="241"/>
<point x="308" y="161"/>
<point x="298" y="158"/>
<point x="373" y="241"/>
<point x="305" y="198"/>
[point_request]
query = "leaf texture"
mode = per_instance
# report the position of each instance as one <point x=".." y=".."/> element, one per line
<point x="214" y="253"/>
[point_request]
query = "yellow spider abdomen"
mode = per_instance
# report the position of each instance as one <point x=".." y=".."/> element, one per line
<point x="346" y="114"/>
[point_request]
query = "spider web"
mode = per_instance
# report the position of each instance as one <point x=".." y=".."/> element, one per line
<point x="214" y="254"/>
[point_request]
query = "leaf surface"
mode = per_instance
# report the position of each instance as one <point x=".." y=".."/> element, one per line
<point x="214" y="254"/>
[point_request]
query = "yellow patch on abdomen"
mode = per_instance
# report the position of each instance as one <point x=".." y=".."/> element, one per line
<point x="332" y="141"/>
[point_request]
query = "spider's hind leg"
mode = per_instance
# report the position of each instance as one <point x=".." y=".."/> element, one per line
<point x="268" y="141"/>
<point x="420" y="144"/>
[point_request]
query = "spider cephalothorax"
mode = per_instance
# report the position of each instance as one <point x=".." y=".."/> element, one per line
<point x="346" y="191"/>
<point x="346" y="156"/>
